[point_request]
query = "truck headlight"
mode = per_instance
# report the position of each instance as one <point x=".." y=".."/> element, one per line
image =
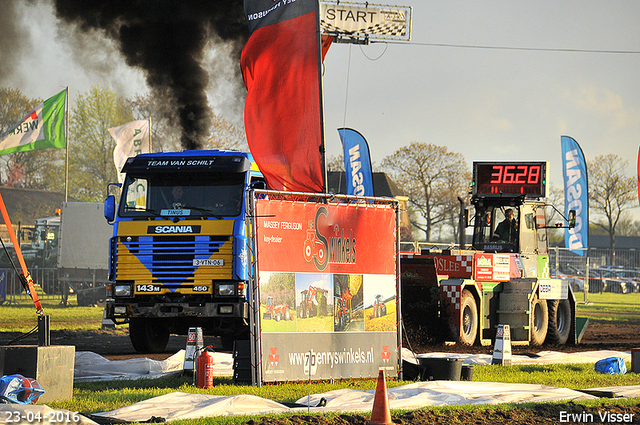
<point x="226" y="289"/>
<point x="120" y="310"/>
<point x="122" y="290"/>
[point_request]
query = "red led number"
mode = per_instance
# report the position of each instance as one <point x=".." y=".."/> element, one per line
<point x="496" y="176"/>
<point x="512" y="174"/>
<point x="534" y="174"/>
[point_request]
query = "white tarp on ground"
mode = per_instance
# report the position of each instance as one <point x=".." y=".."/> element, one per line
<point x="90" y="367"/>
<point x="93" y="367"/>
<point x="541" y="357"/>
<point x="180" y="405"/>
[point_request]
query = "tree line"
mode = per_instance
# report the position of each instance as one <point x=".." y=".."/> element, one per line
<point x="434" y="179"/>
<point x="89" y="144"/>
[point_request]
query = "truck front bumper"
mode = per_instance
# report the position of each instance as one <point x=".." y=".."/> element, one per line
<point x="121" y="312"/>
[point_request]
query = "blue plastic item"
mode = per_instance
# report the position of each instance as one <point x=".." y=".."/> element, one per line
<point x="611" y="366"/>
<point x="20" y="390"/>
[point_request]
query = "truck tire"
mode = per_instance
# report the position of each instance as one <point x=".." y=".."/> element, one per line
<point x="148" y="335"/>
<point x="468" y="318"/>
<point x="539" y="320"/>
<point x="559" y="321"/>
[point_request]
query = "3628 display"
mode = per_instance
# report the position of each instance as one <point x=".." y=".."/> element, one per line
<point x="510" y="178"/>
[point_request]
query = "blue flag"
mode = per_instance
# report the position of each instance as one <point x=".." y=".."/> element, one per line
<point x="357" y="163"/>
<point x="576" y="195"/>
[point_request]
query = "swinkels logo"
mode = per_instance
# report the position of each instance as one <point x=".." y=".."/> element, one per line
<point x="334" y="247"/>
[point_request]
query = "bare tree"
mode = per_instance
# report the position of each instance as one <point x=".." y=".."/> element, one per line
<point x="91" y="165"/>
<point x="611" y="193"/>
<point x="432" y="178"/>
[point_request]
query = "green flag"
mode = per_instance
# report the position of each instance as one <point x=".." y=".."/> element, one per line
<point x="41" y="128"/>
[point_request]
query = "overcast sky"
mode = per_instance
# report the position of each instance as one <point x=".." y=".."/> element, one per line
<point x="528" y="81"/>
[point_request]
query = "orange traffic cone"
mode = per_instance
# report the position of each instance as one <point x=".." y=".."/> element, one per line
<point x="380" y="415"/>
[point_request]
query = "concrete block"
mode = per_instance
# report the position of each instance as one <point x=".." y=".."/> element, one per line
<point x="51" y="366"/>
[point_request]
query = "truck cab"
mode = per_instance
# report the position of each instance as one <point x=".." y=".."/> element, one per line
<point x="180" y="246"/>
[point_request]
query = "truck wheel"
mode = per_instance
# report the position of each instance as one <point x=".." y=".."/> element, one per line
<point x="469" y="318"/>
<point x="148" y="335"/>
<point x="559" y="321"/>
<point x="539" y="317"/>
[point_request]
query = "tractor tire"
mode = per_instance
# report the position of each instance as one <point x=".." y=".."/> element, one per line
<point x="539" y="320"/>
<point x="148" y="335"/>
<point x="469" y="318"/>
<point x="559" y="321"/>
<point x="287" y="315"/>
<point x="383" y="310"/>
<point x="277" y="317"/>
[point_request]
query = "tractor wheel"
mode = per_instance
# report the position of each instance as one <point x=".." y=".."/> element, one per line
<point x="148" y="335"/>
<point x="559" y="321"/>
<point x="277" y="317"/>
<point x="539" y="317"/>
<point x="287" y="315"/>
<point x="383" y="310"/>
<point x="469" y="318"/>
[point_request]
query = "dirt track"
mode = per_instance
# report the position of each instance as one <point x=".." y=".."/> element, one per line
<point x="115" y="345"/>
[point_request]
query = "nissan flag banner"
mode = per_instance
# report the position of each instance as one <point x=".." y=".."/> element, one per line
<point x="357" y="163"/>
<point x="576" y="195"/>
<point x="42" y="128"/>
<point x="131" y="139"/>
<point x="283" y="113"/>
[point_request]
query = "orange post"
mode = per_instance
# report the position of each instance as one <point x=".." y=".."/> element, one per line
<point x="25" y="277"/>
<point x="381" y="415"/>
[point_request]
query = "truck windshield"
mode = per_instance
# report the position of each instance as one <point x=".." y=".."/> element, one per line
<point x="183" y="194"/>
<point x="494" y="232"/>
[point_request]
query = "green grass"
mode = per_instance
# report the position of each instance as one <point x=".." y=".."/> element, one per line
<point x="105" y="396"/>
<point x="611" y="308"/>
<point x="23" y="317"/>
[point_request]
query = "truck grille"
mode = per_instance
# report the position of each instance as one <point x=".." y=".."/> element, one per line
<point x="170" y="258"/>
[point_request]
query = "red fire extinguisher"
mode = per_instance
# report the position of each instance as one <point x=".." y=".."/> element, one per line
<point x="204" y="367"/>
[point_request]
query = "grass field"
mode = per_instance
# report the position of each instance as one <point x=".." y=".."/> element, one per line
<point x="104" y="396"/>
<point x="611" y="308"/>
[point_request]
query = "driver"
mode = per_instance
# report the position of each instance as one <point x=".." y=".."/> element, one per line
<point x="177" y="192"/>
<point x="507" y="230"/>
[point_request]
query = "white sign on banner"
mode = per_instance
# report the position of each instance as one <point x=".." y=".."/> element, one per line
<point x="360" y="20"/>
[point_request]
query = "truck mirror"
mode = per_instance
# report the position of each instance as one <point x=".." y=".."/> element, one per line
<point x="572" y="219"/>
<point x="110" y="208"/>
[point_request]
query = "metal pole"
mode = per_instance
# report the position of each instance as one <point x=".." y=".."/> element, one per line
<point x="66" y="143"/>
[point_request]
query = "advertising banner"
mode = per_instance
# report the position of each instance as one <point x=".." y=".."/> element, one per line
<point x="328" y="289"/>
<point x="357" y="162"/>
<point x="280" y="65"/>
<point x="576" y="195"/>
<point x="497" y="267"/>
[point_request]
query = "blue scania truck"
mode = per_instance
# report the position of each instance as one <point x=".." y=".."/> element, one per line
<point x="179" y="255"/>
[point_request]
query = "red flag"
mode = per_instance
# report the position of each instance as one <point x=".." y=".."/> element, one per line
<point x="283" y="112"/>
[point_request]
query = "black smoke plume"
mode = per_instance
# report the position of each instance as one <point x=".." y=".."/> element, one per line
<point x="167" y="39"/>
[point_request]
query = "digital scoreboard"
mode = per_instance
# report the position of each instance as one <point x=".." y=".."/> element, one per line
<point x="510" y="178"/>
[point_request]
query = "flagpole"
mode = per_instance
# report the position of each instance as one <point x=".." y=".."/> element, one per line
<point x="66" y="140"/>
<point x="325" y="183"/>
<point x="150" y="140"/>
